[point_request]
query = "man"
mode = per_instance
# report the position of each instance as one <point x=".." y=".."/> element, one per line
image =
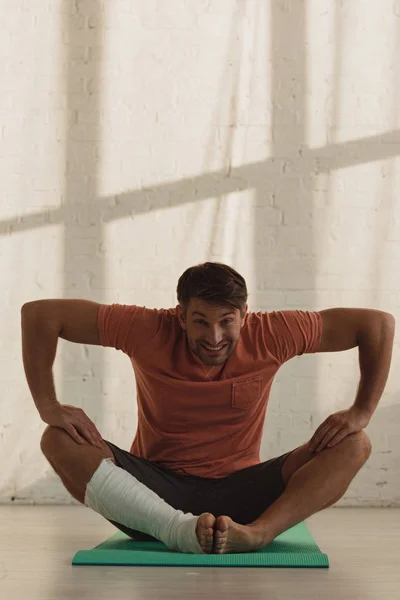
<point x="193" y="477"/>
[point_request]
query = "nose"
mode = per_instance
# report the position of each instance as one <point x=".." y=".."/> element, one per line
<point x="214" y="339"/>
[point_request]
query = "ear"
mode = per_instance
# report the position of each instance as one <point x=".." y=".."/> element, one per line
<point x="181" y="318"/>
<point x="244" y="316"/>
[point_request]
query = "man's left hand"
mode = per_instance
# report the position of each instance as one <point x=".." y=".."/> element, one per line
<point x="338" y="426"/>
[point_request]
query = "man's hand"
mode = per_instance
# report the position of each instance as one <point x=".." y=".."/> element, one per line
<point x="75" y="422"/>
<point x="338" y="426"/>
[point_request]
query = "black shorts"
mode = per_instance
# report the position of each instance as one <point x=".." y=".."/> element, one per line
<point x="243" y="495"/>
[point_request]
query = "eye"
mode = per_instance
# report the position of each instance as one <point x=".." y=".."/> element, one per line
<point x="225" y="321"/>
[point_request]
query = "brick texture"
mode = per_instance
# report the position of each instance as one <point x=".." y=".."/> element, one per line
<point x="139" y="137"/>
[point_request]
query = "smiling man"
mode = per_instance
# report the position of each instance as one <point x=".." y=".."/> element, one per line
<point x="204" y="370"/>
<point x="214" y="346"/>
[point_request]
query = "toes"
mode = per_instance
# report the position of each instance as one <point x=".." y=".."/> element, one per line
<point x="206" y="542"/>
<point x="219" y="544"/>
<point x="208" y="519"/>
<point x="222" y="523"/>
<point x="206" y="548"/>
<point x="205" y="531"/>
<point x="220" y="537"/>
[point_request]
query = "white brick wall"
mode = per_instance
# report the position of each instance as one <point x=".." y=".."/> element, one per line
<point x="136" y="138"/>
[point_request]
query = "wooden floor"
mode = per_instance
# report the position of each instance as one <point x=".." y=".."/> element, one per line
<point x="37" y="544"/>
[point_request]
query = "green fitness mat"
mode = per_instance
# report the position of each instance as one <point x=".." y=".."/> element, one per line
<point x="293" y="548"/>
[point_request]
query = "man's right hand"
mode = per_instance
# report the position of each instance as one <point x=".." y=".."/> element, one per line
<point x="75" y="422"/>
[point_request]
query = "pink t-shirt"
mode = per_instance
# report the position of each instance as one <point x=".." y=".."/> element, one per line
<point x="185" y="422"/>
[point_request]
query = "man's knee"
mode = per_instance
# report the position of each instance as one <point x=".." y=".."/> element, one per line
<point x="48" y="439"/>
<point x="74" y="463"/>
<point x="57" y="443"/>
<point x="52" y="440"/>
<point x="361" y="443"/>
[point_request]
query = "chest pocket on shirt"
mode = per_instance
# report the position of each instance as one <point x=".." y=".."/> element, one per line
<point x="246" y="393"/>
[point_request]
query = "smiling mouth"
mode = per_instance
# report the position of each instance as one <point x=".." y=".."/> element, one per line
<point x="213" y="351"/>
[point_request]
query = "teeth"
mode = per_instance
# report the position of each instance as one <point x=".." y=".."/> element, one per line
<point x="219" y="347"/>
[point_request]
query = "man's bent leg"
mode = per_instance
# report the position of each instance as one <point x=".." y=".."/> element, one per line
<point x="315" y="486"/>
<point x="117" y="495"/>
<point x="74" y="463"/>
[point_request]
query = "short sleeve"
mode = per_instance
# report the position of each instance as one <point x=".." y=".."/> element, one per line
<point x="128" y="327"/>
<point x="289" y="333"/>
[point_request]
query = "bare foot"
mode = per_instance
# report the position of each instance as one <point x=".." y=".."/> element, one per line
<point x="205" y="531"/>
<point x="231" y="537"/>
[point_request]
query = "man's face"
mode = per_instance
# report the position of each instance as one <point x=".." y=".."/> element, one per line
<point x="210" y="325"/>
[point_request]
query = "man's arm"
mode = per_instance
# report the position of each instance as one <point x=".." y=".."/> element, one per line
<point x="42" y="323"/>
<point x="373" y="332"/>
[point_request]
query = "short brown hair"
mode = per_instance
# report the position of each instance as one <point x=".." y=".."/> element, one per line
<point x="212" y="282"/>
